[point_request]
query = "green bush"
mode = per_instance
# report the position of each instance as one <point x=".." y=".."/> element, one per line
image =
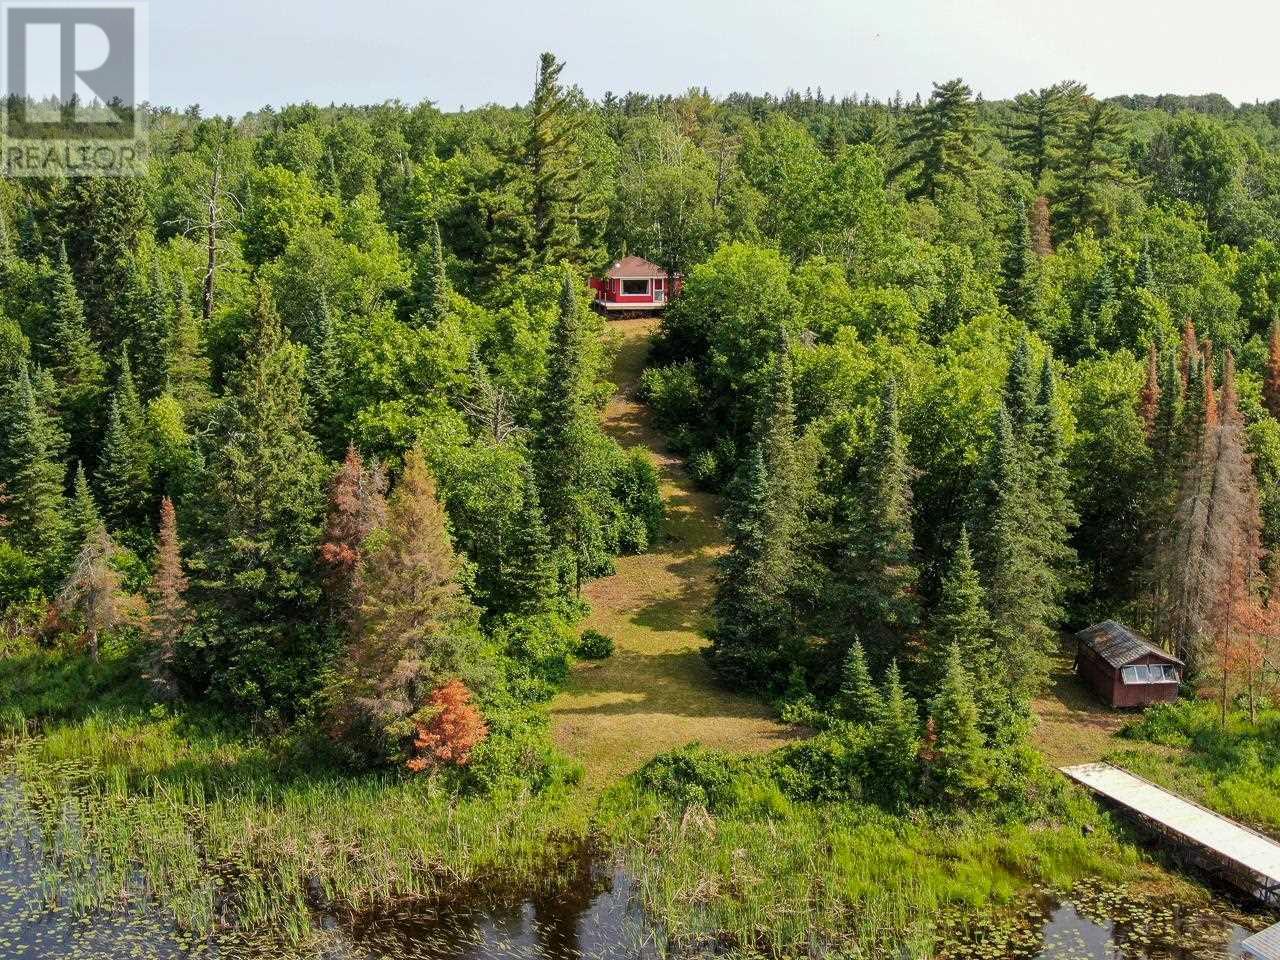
<point x="594" y="645"/>
<point x="825" y="769"/>
<point x="692" y="774"/>
<point x="636" y="490"/>
<point x="538" y="649"/>
<point x="673" y="393"/>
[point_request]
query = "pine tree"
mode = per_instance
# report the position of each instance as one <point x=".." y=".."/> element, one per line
<point x="1271" y="387"/>
<point x="262" y="500"/>
<point x="32" y="476"/>
<point x="858" y="700"/>
<point x="1018" y="288"/>
<point x="415" y="627"/>
<point x="941" y="144"/>
<point x="72" y="360"/>
<point x="879" y="574"/>
<point x="564" y="217"/>
<point x="1093" y="160"/>
<point x="895" y="744"/>
<point x="170" y="615"/>
<point x="959" y="771"/>
<point x="1041" y="119"/>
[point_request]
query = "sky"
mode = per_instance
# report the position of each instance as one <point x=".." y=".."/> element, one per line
<point x="233" y="56"/>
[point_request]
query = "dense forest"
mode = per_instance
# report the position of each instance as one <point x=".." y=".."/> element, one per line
<point x="306" y="421"/>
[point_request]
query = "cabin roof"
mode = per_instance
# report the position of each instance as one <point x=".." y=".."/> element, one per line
<point x="1118" y="645"/>
<point x="635" y="268"/>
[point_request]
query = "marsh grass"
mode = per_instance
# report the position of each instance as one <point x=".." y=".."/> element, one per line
<point x="774" y="877"/>
<point x="131" y="809"/>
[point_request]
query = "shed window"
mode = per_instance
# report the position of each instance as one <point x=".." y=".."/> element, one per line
<point x="635" y="288"/>
<point x="1153" y="673"/>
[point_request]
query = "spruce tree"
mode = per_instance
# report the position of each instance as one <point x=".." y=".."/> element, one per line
<point x="126" y="468"/>
<point x="324" y="376"/>
<point x="72" y="360"/>
<point x="1144" y="274"/>
<point x="1017" y="274"/>
<point x="563" y="440"/>
<point x="1271" y="386"/>
<point x="879" y="572"/>
<point x="960" y="619"/>
<point x="262" y="504"/>
<point x="170" y="615"/>
<point x="528" y="582"/>
<point x="154" y="333"/>
<point x="1019" y="586"/>
<point x="188" y="376"/>
<point x="895" y="744"/>
<point x="1149" y="400"/>
<point x="431" y="281"/>
<point x="1055" y="518"/>
<point x="83" y="517"/>
<point x="415" y="627"/>
<point x="959" y="771"/>
<point x="858" y="700"/>
<point x="32" y="477"/>
<point x="1020" y="388"/>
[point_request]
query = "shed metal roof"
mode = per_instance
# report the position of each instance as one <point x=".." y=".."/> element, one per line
<point x="1118" y="645"/>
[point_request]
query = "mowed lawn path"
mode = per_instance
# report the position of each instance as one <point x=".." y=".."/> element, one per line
<point x="656" y="692"/>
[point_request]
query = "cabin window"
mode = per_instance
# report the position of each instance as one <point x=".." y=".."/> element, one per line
<point x="635" y="288"/>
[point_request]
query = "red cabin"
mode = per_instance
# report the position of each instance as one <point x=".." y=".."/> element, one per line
<point x="634" y="283"/>
<point x="1124" y="669"/>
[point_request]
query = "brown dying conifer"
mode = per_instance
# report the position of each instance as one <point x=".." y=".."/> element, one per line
<point x="1041" y="227"/>
<point x="357" y="507"/>
<point x="1149" y="403"/>
<point x="1271" y="387"/>
<point x="170" y="614"/>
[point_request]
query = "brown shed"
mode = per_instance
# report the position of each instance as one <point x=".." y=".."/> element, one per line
<point x="1124" y="669"/>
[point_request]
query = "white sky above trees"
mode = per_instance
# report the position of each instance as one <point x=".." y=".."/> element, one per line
<point x="231" y="56"/>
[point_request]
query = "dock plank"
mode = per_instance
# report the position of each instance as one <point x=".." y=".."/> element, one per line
<point x="1197" y="824"/>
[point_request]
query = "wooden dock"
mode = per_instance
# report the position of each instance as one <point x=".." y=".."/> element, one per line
<point x="1240" y="855"/>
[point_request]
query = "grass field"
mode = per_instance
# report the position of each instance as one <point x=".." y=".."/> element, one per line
<point x="656" y="692"/>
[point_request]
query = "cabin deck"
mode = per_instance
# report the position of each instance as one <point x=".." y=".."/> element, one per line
<point x="1244" y="853"/>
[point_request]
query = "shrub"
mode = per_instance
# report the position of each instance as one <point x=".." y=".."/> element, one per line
<point x="636" y="490"/>
<point x="594" y="645"/>
<point x="538" y="649"/>
<point x="673" y="393"/>
<point x="704" y="468"/>
<point x="692" y="774"/>
<point x="825" y="769"/>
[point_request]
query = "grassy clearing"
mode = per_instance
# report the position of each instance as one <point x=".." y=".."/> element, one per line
<point x="1073" y="725"/>
<point x="656" y="693"/>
